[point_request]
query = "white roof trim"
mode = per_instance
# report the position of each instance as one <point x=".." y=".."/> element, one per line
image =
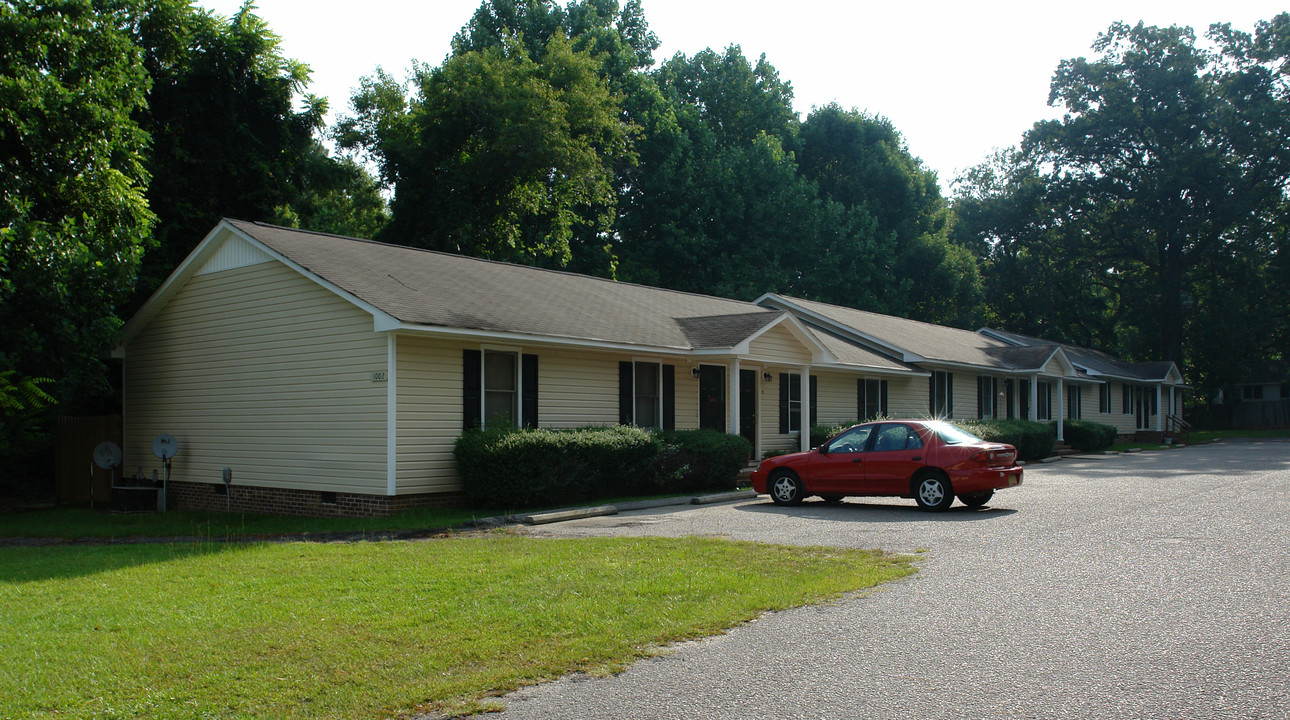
<point x="779" y="302"/>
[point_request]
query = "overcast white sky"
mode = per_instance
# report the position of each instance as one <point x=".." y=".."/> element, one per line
<point x="958" y="79"/>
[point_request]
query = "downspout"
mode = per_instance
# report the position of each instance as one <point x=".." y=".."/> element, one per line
<point x="1061" y="409"/>
<point x="732" y="398"/>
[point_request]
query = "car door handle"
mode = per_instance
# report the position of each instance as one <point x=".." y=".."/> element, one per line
<point x="917" y="457"/>
<point x="858" y="460"/>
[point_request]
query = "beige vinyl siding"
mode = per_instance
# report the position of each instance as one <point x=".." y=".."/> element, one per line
<point x="778" y="345"/>
<point x="964" y="395"/>
<point x="837" y="397"/>
<point x="1089" y="399"/>
<point x="1055" y="368"/>
<point x="261" y="370"/>
<point x="907" y="397"/>
<point x="429" y="413"/>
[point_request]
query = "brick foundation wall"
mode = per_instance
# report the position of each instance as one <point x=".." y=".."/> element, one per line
<point x="210" y="497"/>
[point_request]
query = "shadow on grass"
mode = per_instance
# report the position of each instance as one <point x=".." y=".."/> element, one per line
<point x="34" y="564"/>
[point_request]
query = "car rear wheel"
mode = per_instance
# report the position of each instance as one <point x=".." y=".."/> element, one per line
<point x="977" y="499"/>
<point x="933" y="492"/>
<point x="785" y="488"/>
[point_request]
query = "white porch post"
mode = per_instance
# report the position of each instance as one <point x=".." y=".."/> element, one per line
<point x="1160" y="416"/>
<point x="806" y="408"/>
<point x="1034" y="399"/>
<point x="1061" y="409"/>
<point x="732" y="398"/>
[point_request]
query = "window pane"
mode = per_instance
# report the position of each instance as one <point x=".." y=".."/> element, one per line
<point x="648" y="412"/>
<point x="499" y="371"/>
<point x="500" y="384"/>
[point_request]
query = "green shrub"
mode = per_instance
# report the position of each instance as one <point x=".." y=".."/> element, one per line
<point x="697" y="460"/>
<point x="1033" y="440"/>
<point x="505" y="467"/>
<point x="1088" y="436"/>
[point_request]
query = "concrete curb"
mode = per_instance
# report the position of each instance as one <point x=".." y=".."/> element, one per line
<point x="562" y="515"/>
<point x="724" y="497"/>
<point x="601" y="510"/>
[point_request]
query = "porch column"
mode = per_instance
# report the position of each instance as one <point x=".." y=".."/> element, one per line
<point x="732" y="397"/>
<point x="806" y="408"/>
<point x="1160" y="415"/>
<point x="1061" y="409"/>
<point x="1034" y="399"/>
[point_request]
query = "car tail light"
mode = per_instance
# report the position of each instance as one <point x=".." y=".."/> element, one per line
<point x="995" y="457"/>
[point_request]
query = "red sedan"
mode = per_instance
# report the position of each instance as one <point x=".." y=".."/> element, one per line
<point x="928" y="460"/>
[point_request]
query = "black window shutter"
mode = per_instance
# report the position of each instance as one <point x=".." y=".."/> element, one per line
<point x="815" y="415"/>
<point x="980" y="396"/>
<point x="931" y="395"/>
<point x="625" y="393"/>
<point x="882" y="408"/>
<point x="860" y="399"/>
<point x="529" y="403"/>
<point x="471" y="389"/>
<point x="783" y="403"/>
<point x="669" y="397"/>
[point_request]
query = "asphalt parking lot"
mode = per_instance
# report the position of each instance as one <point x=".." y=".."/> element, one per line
<point x="1153" y="585"/>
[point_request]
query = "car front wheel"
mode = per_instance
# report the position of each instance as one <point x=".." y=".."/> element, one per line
<point x="785" y="488"/>
<point x="977" y="499"/>
<point x="933" y="492"/>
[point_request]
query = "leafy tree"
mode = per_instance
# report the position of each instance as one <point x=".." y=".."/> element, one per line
<point x="227" y="140"/>
<point x="73" y="220"/>
<point x="1033" y="283"/>
<point x="861" y="162"/>
<point x="497" y="156"/>
<point x="1170" y="158"/>
<point x="72" y="184"/>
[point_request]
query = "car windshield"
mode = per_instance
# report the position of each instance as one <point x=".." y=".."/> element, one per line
<point x="951" y="435"/>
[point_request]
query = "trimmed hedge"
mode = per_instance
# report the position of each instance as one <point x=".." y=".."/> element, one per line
<point x="1088" y="436"/>
<point x="1033" y="440"/>
<point x="505" y="467"/>
<point x="699" y="460"/>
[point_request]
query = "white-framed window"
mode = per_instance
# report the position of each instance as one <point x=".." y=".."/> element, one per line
<point x="1074" y="397"/>
<point x="1104" y="398"/>
<point x="940" y="402"/>
<point x="501" y="387"/>
<point x="1043" y="401"/>
<point x="872" y="402"/>
<point x="794" y="401"/>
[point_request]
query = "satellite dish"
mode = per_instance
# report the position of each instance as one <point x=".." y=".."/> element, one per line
<point x="165" y="446"/>
<point x="107" y="455"/>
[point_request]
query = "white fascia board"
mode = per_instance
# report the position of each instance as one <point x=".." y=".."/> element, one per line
<point x="871" y="370"/>
<point x="551" y="340"/>
<point x="778" y="302"/>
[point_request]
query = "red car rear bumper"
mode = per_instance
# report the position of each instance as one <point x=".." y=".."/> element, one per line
<point x="980" y="479"/>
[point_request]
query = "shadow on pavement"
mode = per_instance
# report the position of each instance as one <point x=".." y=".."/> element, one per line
<point x="860" y="511"/>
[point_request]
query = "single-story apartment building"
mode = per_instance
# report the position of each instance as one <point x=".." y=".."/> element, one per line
<point x="332" y="375"/>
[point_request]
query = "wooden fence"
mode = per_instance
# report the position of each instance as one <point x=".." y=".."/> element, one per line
<point x="75" y="474"/>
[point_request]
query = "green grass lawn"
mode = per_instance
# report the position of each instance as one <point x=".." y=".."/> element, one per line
<point x="1201" y="436"/>
<point x="371" y="630"/>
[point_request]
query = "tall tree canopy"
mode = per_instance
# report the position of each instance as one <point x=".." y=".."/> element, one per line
<point x="1164" y="182"/>
<point x="73" y="218"/>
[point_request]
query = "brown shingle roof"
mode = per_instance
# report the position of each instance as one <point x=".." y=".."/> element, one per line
<point x="436" y="289"/>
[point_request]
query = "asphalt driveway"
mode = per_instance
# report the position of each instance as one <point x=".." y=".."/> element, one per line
<point x="1154" y="585"/>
